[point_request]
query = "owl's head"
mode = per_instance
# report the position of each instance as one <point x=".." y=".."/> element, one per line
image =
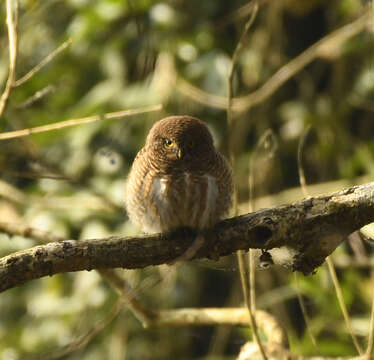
<point x="179" y="140"/>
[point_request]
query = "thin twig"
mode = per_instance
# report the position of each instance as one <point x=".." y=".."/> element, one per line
<point x="247" y="298"/>
<point x="251" y="261"/>
<point x="128" y="296"/>
<point x="43" y="63"/>
<point x="252" y="279"/>
<point x="37" y="96"/>
<point x="267" y="142"/>
<point x="234" y="59"/>
<point x="268" y="136"/>
<point x="343" y="308"/>
<point x="30" y="175"/>
<point x="81" y="341"/>
<point x="75" y="122"/>
<point x="238" y="49"/>
<point x="300" y="166"/>
<point x="251" y="208"/>
<point x="240" y="254"/>
<point x="370" y="346"/>
<point x="237" y="15"/>
<point x="329" y="262"/>
<point x="304" y="311"/>
<point x="345" y="261"/>
<point x="20" y="229"/>
<point x="11" y="10"/>
<point x="10" y="192"/>
<point x="306" y="194"/>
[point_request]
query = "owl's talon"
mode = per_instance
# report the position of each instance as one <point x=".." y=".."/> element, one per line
<point x="191" y="251"/>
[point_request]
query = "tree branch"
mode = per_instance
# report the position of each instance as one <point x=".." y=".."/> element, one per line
<point x="249" y="351"/>
<point x="194" y="317"/>
<point x="11" y="20"/>
<point x="313" y="227"/>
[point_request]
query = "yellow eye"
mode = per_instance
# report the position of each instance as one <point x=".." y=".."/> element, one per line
<point x="168" y="143"/>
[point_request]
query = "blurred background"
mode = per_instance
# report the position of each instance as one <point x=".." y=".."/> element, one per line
<point x="70" y="182"/>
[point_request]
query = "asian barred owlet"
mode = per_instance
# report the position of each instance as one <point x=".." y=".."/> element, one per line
<point x="178" y="179"/>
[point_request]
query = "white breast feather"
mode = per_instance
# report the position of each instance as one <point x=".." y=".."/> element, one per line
<point x="194" y="215"/>
<point x="151" y="221"/>
<point x="211" y="200"/>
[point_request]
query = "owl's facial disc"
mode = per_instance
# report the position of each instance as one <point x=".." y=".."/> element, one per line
<point x="183" y="142"/>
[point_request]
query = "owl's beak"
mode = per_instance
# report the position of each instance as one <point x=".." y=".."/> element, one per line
<point x="179" y="154"/>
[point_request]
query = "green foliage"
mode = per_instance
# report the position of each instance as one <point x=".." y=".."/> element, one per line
<point x="130" y="54"/>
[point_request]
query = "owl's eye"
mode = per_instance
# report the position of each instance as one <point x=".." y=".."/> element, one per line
<point x="168" y="143"/>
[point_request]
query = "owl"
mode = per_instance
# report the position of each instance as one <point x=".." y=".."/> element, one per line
<point x="178" y="179"/>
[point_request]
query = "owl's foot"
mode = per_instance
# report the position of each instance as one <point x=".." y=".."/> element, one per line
<point x="191" y="251"/>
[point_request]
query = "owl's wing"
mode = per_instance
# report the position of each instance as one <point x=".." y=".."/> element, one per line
<point x="135" y="183"/>
<point x="222" y="171"/>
